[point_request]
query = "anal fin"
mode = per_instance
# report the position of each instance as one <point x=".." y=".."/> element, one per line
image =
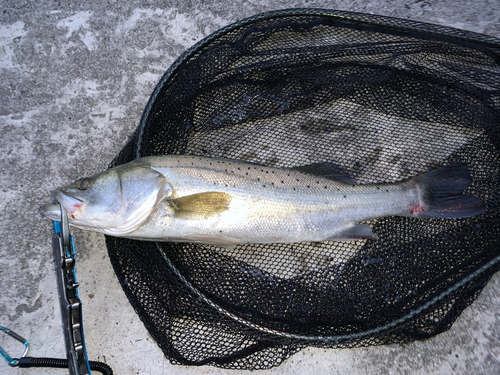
<point x="226" y="242"/>
<point x="354" y="233"/>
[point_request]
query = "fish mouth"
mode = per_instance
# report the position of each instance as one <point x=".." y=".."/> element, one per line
<point x="70" y="203"/>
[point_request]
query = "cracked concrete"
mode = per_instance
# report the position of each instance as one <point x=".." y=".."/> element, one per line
<point x="74" y="79"/>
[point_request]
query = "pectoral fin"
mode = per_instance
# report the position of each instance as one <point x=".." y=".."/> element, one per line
<point x="200" y="206"/>
<point x="354" y="233"/>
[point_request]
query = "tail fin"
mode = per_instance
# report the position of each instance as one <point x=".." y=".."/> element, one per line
<point x="443" y="194"/>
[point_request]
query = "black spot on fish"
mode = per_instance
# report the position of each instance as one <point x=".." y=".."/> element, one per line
<point x="326" y="187"/>
<point x="282" y="182"/>
<point x="345" y="196"/>
<point x="308" y="186"/>
<point x="378" y="188"/>
<point x="263" y="185"/>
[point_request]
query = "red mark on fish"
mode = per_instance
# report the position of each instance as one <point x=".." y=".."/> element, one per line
<point x="74" y="208"/>
<point x="415" y="209"/>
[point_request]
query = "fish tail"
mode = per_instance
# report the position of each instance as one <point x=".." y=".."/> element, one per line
<point x="443" y="194"/>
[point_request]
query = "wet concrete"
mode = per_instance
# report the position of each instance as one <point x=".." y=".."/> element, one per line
<point x="74" y="80"/>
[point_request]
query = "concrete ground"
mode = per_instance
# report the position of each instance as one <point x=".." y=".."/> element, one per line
<point x="74" y="79"/>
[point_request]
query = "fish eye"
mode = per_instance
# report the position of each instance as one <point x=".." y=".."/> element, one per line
<point x="84" y="183"/>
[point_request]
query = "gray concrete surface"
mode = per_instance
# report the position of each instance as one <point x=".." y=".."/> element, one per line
<point x="74" y="79"/>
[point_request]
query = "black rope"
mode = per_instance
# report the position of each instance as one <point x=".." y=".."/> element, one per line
<point x="26" y="362"/>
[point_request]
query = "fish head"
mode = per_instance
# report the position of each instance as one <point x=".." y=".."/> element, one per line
<point x="113" y="202"/>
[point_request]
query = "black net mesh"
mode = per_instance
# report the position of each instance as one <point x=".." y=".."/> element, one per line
<point x="384" y="98"/>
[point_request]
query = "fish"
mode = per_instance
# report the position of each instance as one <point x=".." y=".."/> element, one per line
<point x="225" y="202"/>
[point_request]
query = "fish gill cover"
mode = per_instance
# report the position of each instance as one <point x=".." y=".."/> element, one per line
<point x="384" y="99"/>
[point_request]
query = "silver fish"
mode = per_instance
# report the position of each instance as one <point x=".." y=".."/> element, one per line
<point x="228" y="202"/>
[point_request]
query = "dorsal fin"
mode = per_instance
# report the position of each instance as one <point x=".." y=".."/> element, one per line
<point x="327" y="170"/>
